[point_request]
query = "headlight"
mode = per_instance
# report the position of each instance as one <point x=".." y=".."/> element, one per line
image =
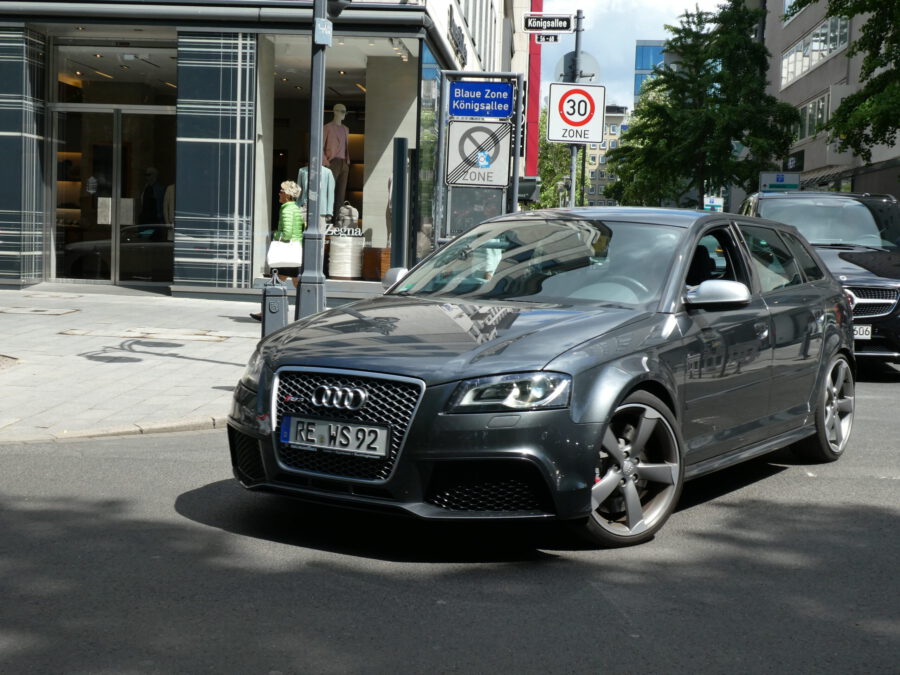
<point x="250" y="378"/>
<point x="518" y="391"/>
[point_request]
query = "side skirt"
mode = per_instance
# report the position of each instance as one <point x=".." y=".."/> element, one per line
<point x="742" y="455"/>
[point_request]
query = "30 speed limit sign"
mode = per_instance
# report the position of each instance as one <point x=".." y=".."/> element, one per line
<point x="576" y="112"/>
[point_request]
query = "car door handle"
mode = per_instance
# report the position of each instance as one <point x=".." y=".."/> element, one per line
<point x="762" y="330"/>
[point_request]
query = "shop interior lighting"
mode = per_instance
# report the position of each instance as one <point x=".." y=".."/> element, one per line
<point x="360" y="87"/>
<point x="106" y="75"/>
<point x="342" y="72"/>
<point x="98" y="56"/>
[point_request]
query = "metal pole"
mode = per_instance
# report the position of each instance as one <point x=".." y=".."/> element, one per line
<point x="518" y="121"/>
<point x="576" y="73"/>
<point x="311" y="289"/>
<point x="399" y="216"/>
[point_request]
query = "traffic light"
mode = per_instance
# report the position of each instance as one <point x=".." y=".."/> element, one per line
<point x="335" y="7"/>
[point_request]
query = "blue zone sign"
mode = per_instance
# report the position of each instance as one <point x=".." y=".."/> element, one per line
<point x="481" y="99"/>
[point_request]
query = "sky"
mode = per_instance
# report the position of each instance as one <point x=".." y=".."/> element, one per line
<point x="611" y="30"/>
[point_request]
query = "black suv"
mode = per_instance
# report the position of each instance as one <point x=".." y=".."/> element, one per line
<point x="858" y="237"/>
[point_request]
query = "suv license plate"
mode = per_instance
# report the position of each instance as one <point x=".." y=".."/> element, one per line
<point x="357" y="439"/>
<point x="862" y="332"/>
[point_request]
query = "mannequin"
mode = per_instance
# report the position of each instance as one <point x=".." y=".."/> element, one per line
<point x="337" y="152"/>
<point x="326" y="190"/>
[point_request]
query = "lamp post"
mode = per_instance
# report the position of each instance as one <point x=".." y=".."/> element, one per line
<point x="311" y="289"/>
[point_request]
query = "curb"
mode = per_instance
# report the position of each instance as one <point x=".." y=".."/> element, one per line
<point x="199" y="424"/>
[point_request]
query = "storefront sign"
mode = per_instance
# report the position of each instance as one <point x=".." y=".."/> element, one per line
<point x="457" y="39"/>
<point x="478" y="153"/>
<point x="481" y="99"/>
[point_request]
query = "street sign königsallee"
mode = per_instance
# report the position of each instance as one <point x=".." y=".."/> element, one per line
<point x="481" y="99"/>
<point x="549" y="23"/>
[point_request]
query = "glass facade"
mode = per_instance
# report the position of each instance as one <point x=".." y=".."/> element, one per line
<point x="647" y="57"/>
<point x="22" y="186"/>
<point x="167" y="147"/>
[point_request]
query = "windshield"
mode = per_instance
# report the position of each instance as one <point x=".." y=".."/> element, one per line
<point x="831" y="220"/>
<point x="551" y="261"/>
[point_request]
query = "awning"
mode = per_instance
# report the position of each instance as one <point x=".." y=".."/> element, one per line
<point x="825" y="174"/>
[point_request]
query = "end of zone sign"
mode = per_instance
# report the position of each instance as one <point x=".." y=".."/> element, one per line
<point x="576" y="113"/>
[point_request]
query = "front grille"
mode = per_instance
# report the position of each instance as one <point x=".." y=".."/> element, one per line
<point x="390" y="403"/>
<point x="245" y="457"/>
<point x="872" y="302"/>
<point x="512" y="485"/>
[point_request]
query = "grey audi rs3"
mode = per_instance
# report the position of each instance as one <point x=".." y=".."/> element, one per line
<point x="568" y="364"/>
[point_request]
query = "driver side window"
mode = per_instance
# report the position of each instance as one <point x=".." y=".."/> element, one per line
<point x="716" y="256"/>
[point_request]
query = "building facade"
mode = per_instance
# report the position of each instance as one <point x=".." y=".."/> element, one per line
<point x="598" y="174"/>
<point x="145" y="141"/>
<point x="811" y="69"/>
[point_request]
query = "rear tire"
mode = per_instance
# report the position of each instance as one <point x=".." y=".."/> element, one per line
<point x="833" y="416"/>
<point x="638" y="476"/>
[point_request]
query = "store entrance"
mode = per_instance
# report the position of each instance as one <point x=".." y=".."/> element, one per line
<point x="115" y="175"/>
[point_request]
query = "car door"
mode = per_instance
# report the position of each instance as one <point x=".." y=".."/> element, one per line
<point x="797" y="311"/>
<point x="728" y="352"/>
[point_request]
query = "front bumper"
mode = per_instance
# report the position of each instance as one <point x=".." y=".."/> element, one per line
<point x="531" y="465"/>
<point x="885" y="341"/>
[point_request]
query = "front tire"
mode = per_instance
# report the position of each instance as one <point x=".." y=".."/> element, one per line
<point x="639" y="474"/>
<point x="834" y="414"/>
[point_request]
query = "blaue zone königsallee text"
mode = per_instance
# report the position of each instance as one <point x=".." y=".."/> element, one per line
<point x="481" y="99"/>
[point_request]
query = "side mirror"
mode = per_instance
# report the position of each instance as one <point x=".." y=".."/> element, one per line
<point x="392" y="276"/>
<point x="717" y="292"/>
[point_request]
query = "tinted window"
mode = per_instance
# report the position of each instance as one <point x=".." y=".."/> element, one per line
<point x="807" y="263"/>
<point x="774" y="264"/>
<point x="827" y="220"/>
<point x="555" y="261"/>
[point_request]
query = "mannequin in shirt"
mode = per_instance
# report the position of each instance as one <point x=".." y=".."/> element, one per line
<point x="337" y="152"/>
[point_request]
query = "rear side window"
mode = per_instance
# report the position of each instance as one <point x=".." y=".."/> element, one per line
<point x="807" y="263"/>
<point x="774" y="264"/>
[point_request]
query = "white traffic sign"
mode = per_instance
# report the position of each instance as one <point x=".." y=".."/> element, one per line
<point x="478" y="153"/>
<point x="576" y="113"/>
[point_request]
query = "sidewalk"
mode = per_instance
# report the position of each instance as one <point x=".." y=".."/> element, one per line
<point x="82" y="360"/>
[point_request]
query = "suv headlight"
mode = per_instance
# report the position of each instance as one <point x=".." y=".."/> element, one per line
<point x="506" y="393"/>
<point x="250" y="378"/>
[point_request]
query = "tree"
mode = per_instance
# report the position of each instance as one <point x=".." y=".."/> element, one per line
<point x="870" y="116"/>
<point x="554" y="162"/>
<point x="704" y="122"/>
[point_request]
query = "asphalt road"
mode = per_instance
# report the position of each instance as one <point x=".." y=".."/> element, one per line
<point x="142" y="555"/>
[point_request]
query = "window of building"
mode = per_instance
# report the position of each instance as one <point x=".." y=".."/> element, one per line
<point x="613" y="144"/>
<point x="647" y="57"/>
<point x="613" y="129"/>
<point x="593" y="159"/>
<point x="602" y="145"/>
<point x="829" y="37"/>
<point x="812" y="116"/>
<point x="603" y="159"/>
<point x="592" y="189"/>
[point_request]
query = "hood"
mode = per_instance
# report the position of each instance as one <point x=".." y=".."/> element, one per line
<point x="861" y="265"/>
<point x="438" y="340"/>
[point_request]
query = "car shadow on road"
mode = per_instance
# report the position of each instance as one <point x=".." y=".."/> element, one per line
<point x="397" y="538"/>
<point x="226" y="506"/>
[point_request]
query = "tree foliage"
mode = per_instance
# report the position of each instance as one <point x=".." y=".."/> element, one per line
<point x="705" y="121"/>
<point x="554" y="162"/>
<point x="870" y="116"/>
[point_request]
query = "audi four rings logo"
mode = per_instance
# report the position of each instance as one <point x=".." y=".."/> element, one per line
<point x="345" y="398"/>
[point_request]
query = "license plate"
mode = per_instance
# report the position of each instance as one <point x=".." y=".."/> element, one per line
<point x="357" y="439"/>
<point x="862" y="332"/>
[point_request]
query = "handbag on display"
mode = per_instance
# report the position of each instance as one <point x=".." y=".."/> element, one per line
<point x="285" y="254"/>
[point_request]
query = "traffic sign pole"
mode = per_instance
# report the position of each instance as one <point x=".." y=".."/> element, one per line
<point x="573" y="149"/>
